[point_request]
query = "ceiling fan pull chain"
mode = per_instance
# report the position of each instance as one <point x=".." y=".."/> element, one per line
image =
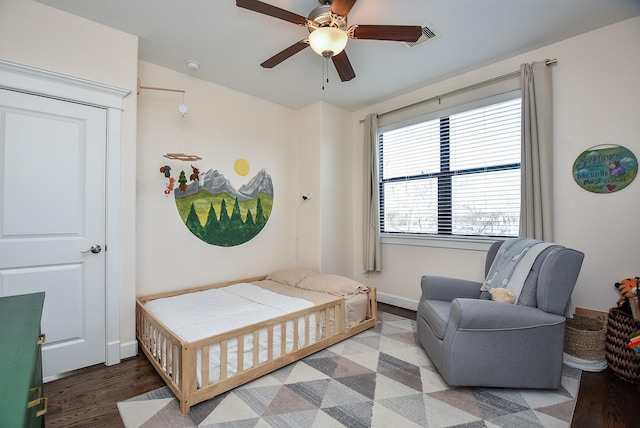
<point x="326" y="63"/>
<point x="325" y="71"/>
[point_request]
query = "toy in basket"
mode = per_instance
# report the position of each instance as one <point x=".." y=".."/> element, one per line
<point x="629" y="288"/>
<point x="623" y="327"/>
<point x="634" y="343"/>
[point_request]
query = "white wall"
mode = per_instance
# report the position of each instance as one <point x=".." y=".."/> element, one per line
<point x="335" y="175"/>
<point x="596" y="95"/>
<point x="325" y="221"/>
<point x="221" y="126"/>
<point x="41" y="36"/>
<point x="309" y="131"/>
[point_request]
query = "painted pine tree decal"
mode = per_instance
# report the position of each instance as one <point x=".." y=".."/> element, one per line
<point x="205" y="208"/>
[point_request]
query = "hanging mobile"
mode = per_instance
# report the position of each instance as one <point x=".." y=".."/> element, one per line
<point x="169" y="188"/>
<point x="182" y="109"/>
<point x="166" y="170"/>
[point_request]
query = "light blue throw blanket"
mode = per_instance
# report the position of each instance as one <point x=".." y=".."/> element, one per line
<point x="512" y="264"/>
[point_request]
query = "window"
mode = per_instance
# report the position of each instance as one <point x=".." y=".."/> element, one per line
<point x="456" y="174"/>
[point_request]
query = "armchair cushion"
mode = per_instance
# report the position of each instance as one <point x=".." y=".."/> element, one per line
<point x="443" y="288"/>
<point x="557" y="276"/>
<point x="436" y="314"/>
<point x="528" y="295"/>
<point x="478" y="315"/>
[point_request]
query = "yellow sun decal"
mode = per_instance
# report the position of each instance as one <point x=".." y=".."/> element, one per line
<point x="241" y="166"/>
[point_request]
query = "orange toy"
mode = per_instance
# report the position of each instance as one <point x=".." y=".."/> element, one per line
<point x="629" y="288"/>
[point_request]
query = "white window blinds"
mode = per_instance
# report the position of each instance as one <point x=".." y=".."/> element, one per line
<point x="457" y="174"/>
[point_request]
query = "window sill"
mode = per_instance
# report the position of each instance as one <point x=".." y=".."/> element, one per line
<point x="474" y="244"/>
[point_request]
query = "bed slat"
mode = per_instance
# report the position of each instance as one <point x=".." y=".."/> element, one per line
<point x="296" y="335"/>
<point x="256" y="348"/>
<point x="240" y="355"/>
<point x="270" y="343"/>
<point x="283" y="344"/>
<point x="205" y="366"/>
<point x="223" y="360"/>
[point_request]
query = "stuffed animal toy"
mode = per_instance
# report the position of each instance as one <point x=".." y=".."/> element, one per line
<point x="502" y="295"/>
<point x="629" y="288"/>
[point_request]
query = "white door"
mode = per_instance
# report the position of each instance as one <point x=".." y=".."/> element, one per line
<point x="52" y="213"/>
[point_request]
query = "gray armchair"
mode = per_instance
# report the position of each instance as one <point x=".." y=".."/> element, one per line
<point x="475" y="341"/>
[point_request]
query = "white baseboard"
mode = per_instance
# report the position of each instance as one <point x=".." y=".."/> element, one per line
<point x="113" y="353"/>
<point x="129" y="349"/>
<point x="117" y="351"/>
<point x="401" y="302"/>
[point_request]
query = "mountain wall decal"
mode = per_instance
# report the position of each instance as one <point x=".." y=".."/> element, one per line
<point x="216" y="183"/>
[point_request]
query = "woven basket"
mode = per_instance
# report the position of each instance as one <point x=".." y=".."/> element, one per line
<point x="584" y="337"/>
<point x="622" y="360"/>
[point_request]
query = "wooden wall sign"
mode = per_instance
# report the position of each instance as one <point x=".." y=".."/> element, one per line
<point x="605" y="169"/>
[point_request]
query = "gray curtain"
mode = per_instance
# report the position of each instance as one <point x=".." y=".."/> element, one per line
<point x="537" y="152"/>
<point x="371" y="236"/>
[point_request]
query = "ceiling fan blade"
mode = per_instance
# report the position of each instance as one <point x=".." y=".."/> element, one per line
<point x="267" y="9"/>
<point x="343" y="66"/>
<point x="285" y="54"/>
<point x="398" y="33"/>
<point x="342" y="7"/>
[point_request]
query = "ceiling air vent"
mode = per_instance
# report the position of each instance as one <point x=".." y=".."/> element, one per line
<point x="427" y="34"/>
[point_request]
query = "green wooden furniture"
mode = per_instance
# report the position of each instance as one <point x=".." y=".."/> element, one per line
<point x="22" y="403"/>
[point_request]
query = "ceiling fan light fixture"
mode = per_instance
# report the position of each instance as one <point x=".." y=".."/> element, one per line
<point x="328" y="41"/>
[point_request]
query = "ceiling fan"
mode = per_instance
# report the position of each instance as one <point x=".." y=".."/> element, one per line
<point x="328" y="32"/>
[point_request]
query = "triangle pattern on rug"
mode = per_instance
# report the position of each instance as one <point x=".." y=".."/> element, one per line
<point x="259" y="399"/>
<point x="385" y="417"/>
<point x="139" y="412"/>
<point x="389" y="388"/>
<point x="314" y="391"/>
<point x="411" y="407"/>
<point x="303" y="372"/>
<point x="399" y="370"/>
<point x="293" y="419"/>
<point x="231" y="409"/>
<point x="352" y="414"/>
<point x="285" y="400"/>
<point x="380" y="377"/>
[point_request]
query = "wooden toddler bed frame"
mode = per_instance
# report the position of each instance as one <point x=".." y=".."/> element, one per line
<point x="176" y="360"/>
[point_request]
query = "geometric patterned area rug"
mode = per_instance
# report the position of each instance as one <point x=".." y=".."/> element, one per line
<point x="378" y="378"/>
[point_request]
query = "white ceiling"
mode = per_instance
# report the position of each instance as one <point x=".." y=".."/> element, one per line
<point x="230" y="42"/>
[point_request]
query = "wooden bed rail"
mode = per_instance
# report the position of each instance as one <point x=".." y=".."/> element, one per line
<point x="161" y="346"/>
<point x="145" y="299"/>
<point x="202" y="369"/>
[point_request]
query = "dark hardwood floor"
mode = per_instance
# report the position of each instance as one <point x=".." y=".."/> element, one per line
<point x="88" y="397"/>
<point x="605" y="400"/>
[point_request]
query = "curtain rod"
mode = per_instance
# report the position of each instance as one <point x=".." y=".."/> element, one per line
<point x="459" y="90"/>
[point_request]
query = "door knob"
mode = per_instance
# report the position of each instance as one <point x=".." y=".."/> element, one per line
<point x="95" y="249"/>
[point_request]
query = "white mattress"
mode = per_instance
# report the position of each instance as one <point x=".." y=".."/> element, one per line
<point x="199" y="315"/>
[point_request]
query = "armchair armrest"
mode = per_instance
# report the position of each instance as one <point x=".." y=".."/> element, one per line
<point x="447" y="289"/>
<point x="474" y="314"/>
